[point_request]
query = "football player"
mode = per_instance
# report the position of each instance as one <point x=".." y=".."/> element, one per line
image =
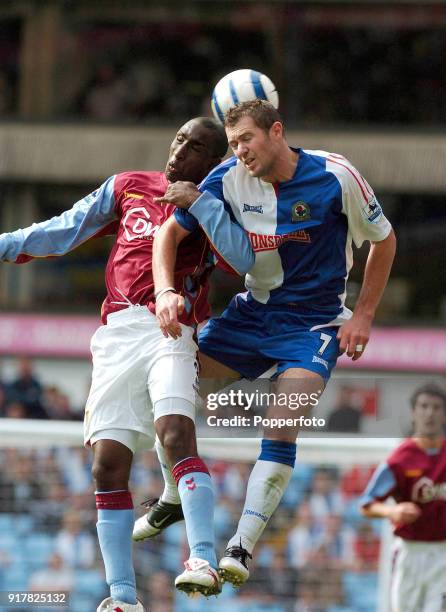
<point x="302" y="210"/>
<point x="414" y="475"/>
<point x="143" y="382"/>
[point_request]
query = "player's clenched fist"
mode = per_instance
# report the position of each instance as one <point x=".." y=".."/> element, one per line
<point x="182" y="194"/>
<point x="169" y="307"/>
<point x="404" y="513"/>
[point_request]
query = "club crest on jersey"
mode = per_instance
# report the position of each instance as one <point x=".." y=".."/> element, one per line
<point x="300" y="211"/>
<point x="249" y="208"/>
<point x="372" y="210"/>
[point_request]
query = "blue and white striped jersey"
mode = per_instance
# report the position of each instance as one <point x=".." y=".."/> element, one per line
<point x="301" y="230"/>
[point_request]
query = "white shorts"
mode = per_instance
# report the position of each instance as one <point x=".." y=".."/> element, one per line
<point x="419" y="577"/>
<point x="135" y="366"/>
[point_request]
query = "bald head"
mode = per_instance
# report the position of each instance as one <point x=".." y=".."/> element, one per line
<point x="217" y="134"/>
<point x="199" y="145"/>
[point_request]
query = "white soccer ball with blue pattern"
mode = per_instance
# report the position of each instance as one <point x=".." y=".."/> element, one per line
<point x="241" y="86"/>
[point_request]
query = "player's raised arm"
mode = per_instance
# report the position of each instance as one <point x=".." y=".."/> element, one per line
<point x="228" y="239"/>
<point x="169" y="304"/>
<point x="59" y="235"/>
<point x="354" y="334"/>
<point x="366" y="221"/>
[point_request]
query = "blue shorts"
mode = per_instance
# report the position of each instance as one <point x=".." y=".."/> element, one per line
<point x="250" y="338"/>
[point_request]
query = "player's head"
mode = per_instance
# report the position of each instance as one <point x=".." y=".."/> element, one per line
<point x="255" y="133"/>
<point x="199" y="145"/>
<point x="428" y="411"/>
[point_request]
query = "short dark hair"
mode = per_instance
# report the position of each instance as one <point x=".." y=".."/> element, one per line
<point x="261" y="112"/>
<point x="220" y="138"/>
<point x="428" y="389"/>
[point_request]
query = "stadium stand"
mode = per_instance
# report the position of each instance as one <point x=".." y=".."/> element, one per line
<point x="305" y="549"/>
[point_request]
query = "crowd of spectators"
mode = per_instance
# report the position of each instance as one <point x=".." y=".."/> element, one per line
<point x="145" y="78"/>
<point x="333" y="74"/>
<point x="403" y="84"/>
<point x="317" y="554"/>
<point x="24" y="397"/>
<point x="371" y="76"/>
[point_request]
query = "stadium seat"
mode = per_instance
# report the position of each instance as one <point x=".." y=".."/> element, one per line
<point x="23" y="523"/>
<point x="220" y="604"/>
<point x="81" y="603"/>
<point x="39" y="547"/>
<point x="223" y="521"/>
<point x="9" y="541"/>
<point x="12" y="547"/>
<point x="351" y="513"/>
<point x="300" y="483"/>
<point x="89" y="582"/>
<point x="264" y="556"/>
<point x="6" y="522"/>
<point x="16" y="577"/>
<point x="172" y="554"/>
<point x="361" y="590"/>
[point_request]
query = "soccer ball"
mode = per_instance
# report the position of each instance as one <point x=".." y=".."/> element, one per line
<point x="242" y="86"/>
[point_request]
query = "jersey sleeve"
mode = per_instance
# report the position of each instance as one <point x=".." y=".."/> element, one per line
<point x="186" y="220"/>
<point x="366" y="220"/>
<point x="95" y="214"/>
<point x="228" y="239"/>
<point x="382" y="484"/>
<point x="212" y="183"/>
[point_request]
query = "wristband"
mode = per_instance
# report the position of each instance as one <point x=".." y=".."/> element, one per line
<point x="158" y="294"/>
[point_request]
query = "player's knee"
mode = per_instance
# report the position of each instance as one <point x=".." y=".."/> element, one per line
<point x="177" y="435"/>
<point x="110" y="471"/>
<point x="109" y="476"/>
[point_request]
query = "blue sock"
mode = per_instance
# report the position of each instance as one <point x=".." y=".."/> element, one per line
<point x="197" y="500"/>
<point x="114" y="529"/>
<point x="279" y="452"/>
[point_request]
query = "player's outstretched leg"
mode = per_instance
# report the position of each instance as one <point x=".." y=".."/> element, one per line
<point x="177" y="435"/>
<point x="266" y="486"/>
<point x="111" y="469"/>
<point x="164" y="511"/>
<point x="197" y="499"/>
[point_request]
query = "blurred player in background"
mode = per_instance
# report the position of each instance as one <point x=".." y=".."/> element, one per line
<point x="133" y="362"/>
<point x="301" y="210"/>
<point x="415" y="477"/>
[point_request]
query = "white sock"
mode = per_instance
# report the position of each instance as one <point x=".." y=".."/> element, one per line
<point x="170" y="494"/>
<point x="266" y="485"/>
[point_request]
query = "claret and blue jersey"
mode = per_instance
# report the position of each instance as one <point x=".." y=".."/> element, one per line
<point x="417" y="475"/>
<point x="124" y="206"/>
